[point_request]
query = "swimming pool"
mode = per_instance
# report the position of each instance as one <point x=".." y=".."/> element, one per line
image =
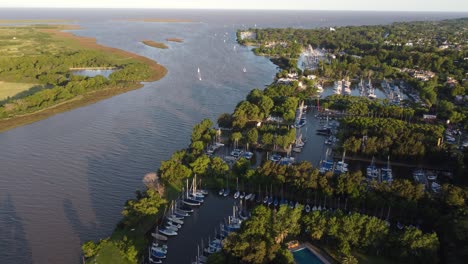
<point x="305" y="256"/>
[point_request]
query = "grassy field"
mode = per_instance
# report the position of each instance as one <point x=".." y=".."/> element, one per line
<point x="155" y="44"/>
<point x="31" y="41"/>
<point x="9" y="89"/>
<point x="110" y="254"/>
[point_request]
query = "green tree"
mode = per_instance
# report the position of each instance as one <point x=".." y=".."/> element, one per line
<point x="252" y="136"/>
<point x="235" y="137"/>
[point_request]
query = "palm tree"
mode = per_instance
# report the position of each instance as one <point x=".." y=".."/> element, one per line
<point x="236" y="136"/>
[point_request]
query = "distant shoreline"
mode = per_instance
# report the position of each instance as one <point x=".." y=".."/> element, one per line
<point x="157" y="20"/>
<point x="35" y="21"/>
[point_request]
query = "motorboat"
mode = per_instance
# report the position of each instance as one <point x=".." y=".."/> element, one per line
<point x="159" y="236"/>
<point x="176" y="220"/>
<point x="170" y="223"/>
<point x="157" y="254"/>
<point x="168" y="232"/>
<point x="191" y="202"/>
<point x="185" y="209"/>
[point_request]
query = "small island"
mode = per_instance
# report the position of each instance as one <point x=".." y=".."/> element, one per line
<point x="155" y="44"/>
<point x="179" y="40"/>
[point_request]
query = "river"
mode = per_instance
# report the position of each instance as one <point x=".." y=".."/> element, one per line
<point x="64" y="180"/>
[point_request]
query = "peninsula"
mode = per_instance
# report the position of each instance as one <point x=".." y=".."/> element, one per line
<point x="40" y="85"/>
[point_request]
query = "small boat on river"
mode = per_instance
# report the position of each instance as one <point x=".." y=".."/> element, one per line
<point x="168" y="232"/>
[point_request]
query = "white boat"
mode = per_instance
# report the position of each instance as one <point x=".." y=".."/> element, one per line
<point x="171" y="223"/>
<point x="386" y="173"/>
<point x="162" y="250"/>
<point x="168" y="232"/>
<point x="171" y="227"/>
<point x="244" y="69"/>
<point x="159" y="236"/>
<point x="338" y="87"/>
<point x="341" y="166"/>
<point x="297" y="149"/>
<point x="248" y="196"/>
<point x="346" y="86"/>
<point x="372" y="171"/>
<point x="432" y="176"/>
<point x="221" y="192"/>
<point x="319" y="88"/>
<point x="157" y="254"/>
<point x="242" y="195"/>
<point x="370" y="90"/>
<point x="307" y="208"/>
<point x="199" y="74"/>
<point x="175" y="220"/>
<point x="237" y="193"/>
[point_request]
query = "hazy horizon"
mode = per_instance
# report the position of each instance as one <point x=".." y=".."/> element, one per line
<point x="317" y="5"/>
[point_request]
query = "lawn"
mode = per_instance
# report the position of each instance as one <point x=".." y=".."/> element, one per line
<point x="109" y="254"/>
<point x="11" y="89"/>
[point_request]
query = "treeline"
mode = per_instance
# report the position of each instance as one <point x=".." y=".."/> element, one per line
<point x="361" y="106"/>
<point x="261" y="236"/>
<point x="387" y="136"/>
<point x="350" y="232"/>
<point x="260" y="239"/>
<point x="251" y="121"/>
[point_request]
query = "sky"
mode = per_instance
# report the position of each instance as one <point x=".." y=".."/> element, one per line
<point x="379" y="5"/>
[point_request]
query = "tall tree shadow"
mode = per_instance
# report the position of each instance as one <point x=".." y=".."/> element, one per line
<point x="72" y="215"/>
<point x="14" y="247"/>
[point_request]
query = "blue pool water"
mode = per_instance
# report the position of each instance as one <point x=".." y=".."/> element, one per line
<point x="305" y="256"/>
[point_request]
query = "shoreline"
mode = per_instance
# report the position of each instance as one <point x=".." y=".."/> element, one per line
<point x="157" y="20"/>
<point x="158" y="72"/>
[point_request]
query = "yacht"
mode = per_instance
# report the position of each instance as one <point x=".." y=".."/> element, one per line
<point x="346" y="86"/>
<point x="338" y="87"/>
<point x="386" y="173"/>
<point x="372" y="171"/>
<point x="371" y="90"/>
